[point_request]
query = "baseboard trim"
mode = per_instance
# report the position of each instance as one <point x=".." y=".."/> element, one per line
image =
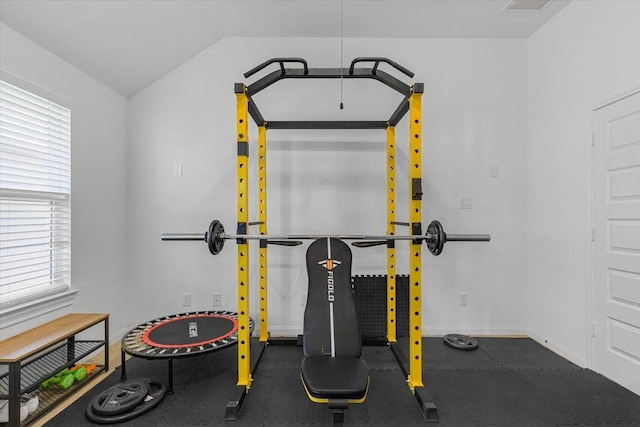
<point x="570" y="357"/>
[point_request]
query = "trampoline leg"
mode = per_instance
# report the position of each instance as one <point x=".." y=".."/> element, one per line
<point x="170" y="387"/>
<point x="123" y="365"/>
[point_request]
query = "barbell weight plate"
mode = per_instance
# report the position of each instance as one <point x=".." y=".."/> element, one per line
<point x="437" y="237"/>
<point x="120" y="398"/>
<point x="214" y="239"/>
<point x="155" y="395"/>
<point x="461" y="342"/>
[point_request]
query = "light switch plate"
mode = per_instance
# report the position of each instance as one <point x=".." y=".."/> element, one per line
<point x="464" y="202"/>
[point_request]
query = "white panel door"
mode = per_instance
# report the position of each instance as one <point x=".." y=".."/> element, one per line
<point x="616" y="249"/>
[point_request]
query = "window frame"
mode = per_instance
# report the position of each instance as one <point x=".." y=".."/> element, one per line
<point x="28" y="307"/>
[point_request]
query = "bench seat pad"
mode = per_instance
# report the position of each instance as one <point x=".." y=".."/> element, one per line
<point x="328" y="377"/>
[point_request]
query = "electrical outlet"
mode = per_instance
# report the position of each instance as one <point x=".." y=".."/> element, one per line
<point x="463" y="299"/>
<point x="177" y="170"/>
<point x="217" y="300"/>
<point x="186" y="299"/>
<point x="303" y="299"/>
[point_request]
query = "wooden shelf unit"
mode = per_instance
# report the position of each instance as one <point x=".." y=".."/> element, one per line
<point x="39" y="353"/>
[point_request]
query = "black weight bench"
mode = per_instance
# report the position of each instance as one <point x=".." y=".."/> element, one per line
<point x="332" y="371"/>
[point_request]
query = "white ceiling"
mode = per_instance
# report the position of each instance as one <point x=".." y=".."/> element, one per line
<point x="128" y="44"/>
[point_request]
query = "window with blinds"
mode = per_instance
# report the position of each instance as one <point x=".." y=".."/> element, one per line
<point x="35" y="183"/>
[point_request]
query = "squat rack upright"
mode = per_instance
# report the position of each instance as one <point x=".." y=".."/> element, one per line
<point x="245" y="107"/>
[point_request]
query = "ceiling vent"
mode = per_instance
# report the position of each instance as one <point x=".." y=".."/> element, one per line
<point x="526" y="5"/>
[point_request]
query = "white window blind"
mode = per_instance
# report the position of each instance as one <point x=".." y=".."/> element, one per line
<point x="35" y="183"/>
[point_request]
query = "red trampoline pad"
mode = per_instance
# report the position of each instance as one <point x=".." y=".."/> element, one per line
<point x="190" y="330"/>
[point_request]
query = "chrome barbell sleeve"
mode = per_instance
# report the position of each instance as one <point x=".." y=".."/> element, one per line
<point x="184" y="236"/>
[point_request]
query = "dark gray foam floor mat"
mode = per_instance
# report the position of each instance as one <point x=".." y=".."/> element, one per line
<point x="505" y="382"/>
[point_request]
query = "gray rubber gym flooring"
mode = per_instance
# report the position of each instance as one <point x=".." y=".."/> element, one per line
<point x="505" y="382"/>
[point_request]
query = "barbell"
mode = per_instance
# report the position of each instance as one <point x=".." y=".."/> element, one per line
<point x="435" y="238"/>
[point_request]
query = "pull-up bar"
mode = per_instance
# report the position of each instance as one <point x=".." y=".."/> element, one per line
<point x="372" y="72"/>
<point x="305" y="67"/>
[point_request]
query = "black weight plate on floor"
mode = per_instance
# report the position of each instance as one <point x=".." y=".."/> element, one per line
<point x="156" y="392"/>
<point x="120" y="398"/>
<point x="461" y="342"/>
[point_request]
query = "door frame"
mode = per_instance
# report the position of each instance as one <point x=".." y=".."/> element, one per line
<point x="591" y="320"/>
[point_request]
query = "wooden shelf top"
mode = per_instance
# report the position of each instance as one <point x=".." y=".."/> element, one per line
<point x="41" y="337"/>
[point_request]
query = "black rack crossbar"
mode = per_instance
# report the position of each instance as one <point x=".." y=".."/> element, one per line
<point x="329" y="73"/>
<point x="304" y="72"/>
<point x="255" y="113"/>
<point x="400" y="112"/>
<point x="310" y="124"/>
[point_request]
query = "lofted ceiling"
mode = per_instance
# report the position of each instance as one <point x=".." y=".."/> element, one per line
<point x="128" y="44"/>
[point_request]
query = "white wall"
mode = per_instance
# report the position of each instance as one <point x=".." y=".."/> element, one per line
<point x="334" y="182"/>
<point x="587" y="53"/>
<point x="98" y="179"/>
<point x="533" y="276"/>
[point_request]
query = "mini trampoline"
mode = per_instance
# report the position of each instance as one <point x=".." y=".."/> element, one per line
<point x="181" y="335"/>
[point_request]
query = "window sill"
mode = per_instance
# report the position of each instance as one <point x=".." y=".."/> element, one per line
<point x="18" y="313"/>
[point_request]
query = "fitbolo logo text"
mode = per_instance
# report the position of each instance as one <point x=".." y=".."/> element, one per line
<point x="330" y="264"/>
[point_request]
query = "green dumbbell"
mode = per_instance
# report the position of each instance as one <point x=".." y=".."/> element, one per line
<point x="67" y="382"/>
<point x="80" y="373"/>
